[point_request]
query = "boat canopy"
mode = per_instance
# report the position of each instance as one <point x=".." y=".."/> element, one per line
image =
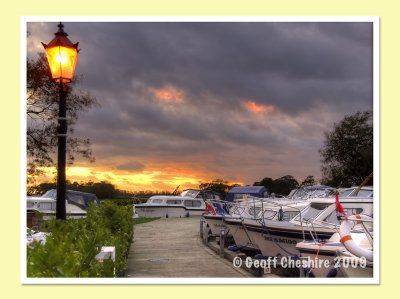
<point x="81" y="199"/>
<point x="237" y="193"/>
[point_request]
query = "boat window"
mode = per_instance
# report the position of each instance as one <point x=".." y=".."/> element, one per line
<point x="332" y="218"/>
<point x="30" y="204"/>
<point x="52" y="193"/>
<point x="190" y="193"/>
<point x="77" y="199"/>
<point x="192" y="203"/>
<point x="47" y="206"/>
<point x="287" y="216"/>
<point x="239" y="196"/>
<point x="156" y="201"/>
<point x="365" y="193"/>
<point x="346" y="193"/>
<point x="89" y="198"/>
<point x="361" y="193"/>
<point x="312" y="211"/>
<point x="254" y="211"/>
<point x="269" y="214"/>
<point x="174" y="202"/>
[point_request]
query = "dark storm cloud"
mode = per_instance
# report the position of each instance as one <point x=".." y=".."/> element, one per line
<point x="310" y="74"/>
<point x="131" y="166"/>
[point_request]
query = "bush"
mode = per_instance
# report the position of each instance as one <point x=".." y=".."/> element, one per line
<point x="71" y="248"/>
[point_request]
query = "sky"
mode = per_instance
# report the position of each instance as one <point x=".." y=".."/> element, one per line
<point x="184" y="103"/>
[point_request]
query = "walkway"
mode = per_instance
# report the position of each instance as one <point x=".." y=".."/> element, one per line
<point x="171" y="247"/>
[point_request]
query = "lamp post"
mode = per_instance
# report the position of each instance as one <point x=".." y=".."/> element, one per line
<point x="62" y="55"/>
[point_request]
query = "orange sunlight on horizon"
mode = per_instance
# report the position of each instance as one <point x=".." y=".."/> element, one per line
<point x="148" y="180"/>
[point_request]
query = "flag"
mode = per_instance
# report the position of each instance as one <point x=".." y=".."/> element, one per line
<point x="339" y="207"/>
<point x="210" y="209"/>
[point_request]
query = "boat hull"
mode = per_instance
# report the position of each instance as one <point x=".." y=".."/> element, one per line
<point x="280" y="238"/>
<point x="152" y="211"/>
<point x="322" y="257"/>
<point x="240" y="234"/>
<point x="216" y="223"/>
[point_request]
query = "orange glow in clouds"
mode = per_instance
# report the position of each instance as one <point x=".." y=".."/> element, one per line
<point x="169" y="94"/>
<point x="254" y="107"/>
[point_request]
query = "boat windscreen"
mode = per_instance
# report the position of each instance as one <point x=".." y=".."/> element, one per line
<point x="312" y="211"/>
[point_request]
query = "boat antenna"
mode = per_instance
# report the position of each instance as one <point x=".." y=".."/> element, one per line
<point x="366" y="180"/>
<point x="176" y="190"/>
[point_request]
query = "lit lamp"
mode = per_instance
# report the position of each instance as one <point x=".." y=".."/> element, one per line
<point x="62" y="55"/>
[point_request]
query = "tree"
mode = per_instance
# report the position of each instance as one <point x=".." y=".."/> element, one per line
<point x="42" y="113"/>
<point x="285" y="184"/>
<point x="218" y="185"/>
<point x="266" y="182"/>
<point x="347" y="153"/>
<point x="281" y="186"/>
<point x="308" y="181"/>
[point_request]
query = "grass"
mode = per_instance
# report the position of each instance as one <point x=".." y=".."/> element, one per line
<point x="143" y="220"/>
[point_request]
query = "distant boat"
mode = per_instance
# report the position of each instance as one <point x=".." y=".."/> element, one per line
<point x="76" y="205"/>
<point x="189" y="203"/>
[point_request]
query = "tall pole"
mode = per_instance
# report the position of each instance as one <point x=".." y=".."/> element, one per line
<point x="61" y="162"/>
<point x="61" y="56"/>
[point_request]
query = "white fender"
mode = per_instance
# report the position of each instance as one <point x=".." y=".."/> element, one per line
<point x="348" y="242"/>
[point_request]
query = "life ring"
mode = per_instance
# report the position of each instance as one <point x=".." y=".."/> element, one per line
<point x="348" y="242"/>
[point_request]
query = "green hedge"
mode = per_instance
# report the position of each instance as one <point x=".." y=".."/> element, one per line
<point x="71" y="248"/>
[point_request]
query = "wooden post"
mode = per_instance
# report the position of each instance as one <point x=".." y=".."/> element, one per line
<point x="201" y="227"/>
<point x="222" y="242"/>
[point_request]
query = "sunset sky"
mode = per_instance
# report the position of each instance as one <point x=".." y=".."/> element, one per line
<point x="183" y="103"/>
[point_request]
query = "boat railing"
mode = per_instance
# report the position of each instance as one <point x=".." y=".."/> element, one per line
<point x="280" y="210"/>
<point x="312" y="224"/>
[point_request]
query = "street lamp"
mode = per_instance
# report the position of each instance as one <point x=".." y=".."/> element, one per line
<point x="62" y="55"/>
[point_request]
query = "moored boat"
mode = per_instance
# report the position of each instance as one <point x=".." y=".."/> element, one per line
<point x="280" y="238"/>
<point x="77" y="204"/>
<point x="188" y="203"/>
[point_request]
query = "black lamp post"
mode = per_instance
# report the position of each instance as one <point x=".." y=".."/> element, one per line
<point x="62" y="55"/>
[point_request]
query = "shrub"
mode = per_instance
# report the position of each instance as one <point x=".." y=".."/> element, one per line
<point x="71" y="248"/>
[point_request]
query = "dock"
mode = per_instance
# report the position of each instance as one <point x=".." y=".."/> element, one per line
<point x="171" y="247"/>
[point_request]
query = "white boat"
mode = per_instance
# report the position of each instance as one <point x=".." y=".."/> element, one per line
<point x="332" y="258"/>
<point x="280" y="238"/>
<point x="269" y="210"/>
<point x="216" y="221"/>
<point x="278" y="209"/>
<point x="188" y="203"/>
<point x="76" y="204"/>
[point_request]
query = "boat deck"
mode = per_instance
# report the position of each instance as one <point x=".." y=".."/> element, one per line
<point x="171" y="247"/>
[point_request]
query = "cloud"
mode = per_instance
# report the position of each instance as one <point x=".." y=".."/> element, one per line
<point x="168" y="94"/>
<point x="254" y="107"/>
<point x="131" y="166"/>
<point x="182" y="97"/>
